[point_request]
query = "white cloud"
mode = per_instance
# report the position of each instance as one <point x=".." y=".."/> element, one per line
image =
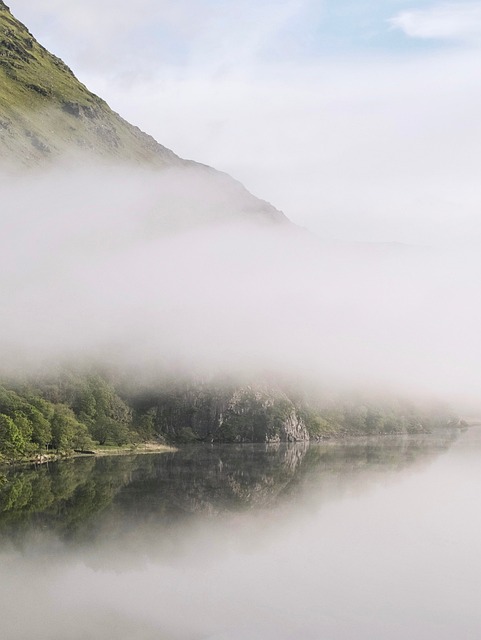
<point x="121" y="38"/>
<point x="459" y="21"/>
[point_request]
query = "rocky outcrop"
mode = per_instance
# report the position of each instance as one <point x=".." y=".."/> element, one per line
<point x="293" y="429"/>
<point x="251" y="413"/>
<point x="262" y="413"/>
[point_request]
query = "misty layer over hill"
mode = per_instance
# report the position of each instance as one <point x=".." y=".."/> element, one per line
<point x="126" y="273"/>
<point x="204" y="326"/>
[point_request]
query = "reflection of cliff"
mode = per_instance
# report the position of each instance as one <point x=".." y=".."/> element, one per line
<point x="213" y="479"/>
<point x="79" y="498"/>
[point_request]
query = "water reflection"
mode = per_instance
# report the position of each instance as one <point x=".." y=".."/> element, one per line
<point x="348" y="541"/>
<point x="82" y="498"/>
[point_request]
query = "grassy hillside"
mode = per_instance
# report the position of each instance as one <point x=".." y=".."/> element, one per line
<point x="46" y="114"/>
<point x="45" y="111"/>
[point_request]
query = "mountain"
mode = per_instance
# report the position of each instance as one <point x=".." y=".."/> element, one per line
<point x="47" y="115"/>
<point x="45" y="111"/>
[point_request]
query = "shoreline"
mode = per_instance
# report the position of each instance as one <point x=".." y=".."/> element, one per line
<point x="147" y="448"/>
<point x="100" y="452"/>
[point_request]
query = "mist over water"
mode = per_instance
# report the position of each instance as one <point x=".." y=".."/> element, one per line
<point x="183" y="271"/>
<point x="374" y="538"/>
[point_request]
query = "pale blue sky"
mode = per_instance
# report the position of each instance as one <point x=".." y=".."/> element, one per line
<point x="179" y="31"/>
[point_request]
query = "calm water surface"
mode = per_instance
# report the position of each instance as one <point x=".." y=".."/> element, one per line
<point x="369" y="539"/>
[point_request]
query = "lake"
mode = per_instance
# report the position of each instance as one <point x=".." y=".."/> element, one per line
<point x="355" y="540"/>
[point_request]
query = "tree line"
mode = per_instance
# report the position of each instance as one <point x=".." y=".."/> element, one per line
<point x="77" y="410"/>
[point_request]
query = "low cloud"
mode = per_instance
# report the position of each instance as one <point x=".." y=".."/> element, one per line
<point x="460" y="21"/>
<point x="160" y="272"/>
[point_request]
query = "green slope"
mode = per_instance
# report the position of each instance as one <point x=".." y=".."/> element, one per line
<point x="45" y="111"/>
<point x="46" y="114"/>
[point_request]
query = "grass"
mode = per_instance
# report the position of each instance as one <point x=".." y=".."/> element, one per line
<point x="31" y="78"/>
<point x="97" y="450"/>
<point x="145" y="447"/>
<point x="46" y="112"/>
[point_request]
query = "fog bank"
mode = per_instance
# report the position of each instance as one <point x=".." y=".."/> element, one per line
<point x="169" y="271"/>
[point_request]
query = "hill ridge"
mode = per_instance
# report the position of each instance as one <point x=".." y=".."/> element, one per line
<point x="47" y="114"/>
<point x="45" y="111"/>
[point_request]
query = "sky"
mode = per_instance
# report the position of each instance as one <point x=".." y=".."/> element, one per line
<point x="359" y="119"/>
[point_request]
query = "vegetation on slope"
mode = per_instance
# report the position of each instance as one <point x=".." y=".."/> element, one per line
<point x="45" y="111"/>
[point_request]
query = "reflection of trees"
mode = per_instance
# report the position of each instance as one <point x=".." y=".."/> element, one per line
<point x="79" y="498"/>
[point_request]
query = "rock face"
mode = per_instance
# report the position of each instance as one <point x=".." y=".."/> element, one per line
<point x="264" y="412"/>
<point x="244" y="414"/>
<point x="293" y="428"/>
